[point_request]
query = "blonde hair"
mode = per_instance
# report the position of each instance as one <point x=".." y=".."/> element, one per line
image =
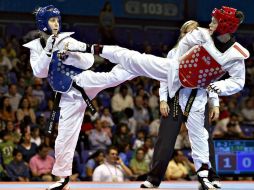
<point x="186" y="27"/>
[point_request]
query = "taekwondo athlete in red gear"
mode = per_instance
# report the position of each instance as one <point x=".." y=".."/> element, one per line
<point x="61" y="74"/>
<point x="210" y="66"/>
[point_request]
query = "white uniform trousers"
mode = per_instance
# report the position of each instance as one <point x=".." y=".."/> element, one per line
<point x="72" y="112"/>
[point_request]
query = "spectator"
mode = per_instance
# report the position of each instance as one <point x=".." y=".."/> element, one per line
<point x="41" y="164"/>
<point x="37" y="91"/>
<point x="106" y="24"/>
<point x="121" y="100"/>
<point x="179" y="168"/>
<point x="3" y="86"/>
<point x="131" y="122"/>
<point x="6" y="148"/>
<point x="138" y="164"/>
<point x="27" y="148"/>
<point x="107" y="117"/>
<point x="6" y="113"/>
<point x="154" y="101"/>
<point x="140" y="139"/>
<point x="93" y="161"/>
<point x="18" y="170"/>
<point x="35" y="136"/>
<point x="141" y="114"/>
<point x="234" y="130"/>
<point x="34" y="102"/>
<point x="112" y="170"/>
<point x="248" y="111"/>
<point x="9" y="51"/>
<point x="125" y="153"/>
<point x="14" y="96"/>
<point x="122" y="136"/>
<point x="182" y="140"/>
<point x="149" y="149"/>
<point x="14" y="132"/>
<point x="154" y="128"/>
<point x="5" y="63"/>
<point x="25" y="109"/>
<point x="98" y="138"/>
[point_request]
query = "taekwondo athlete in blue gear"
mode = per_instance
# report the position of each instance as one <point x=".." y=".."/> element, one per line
<point x="61" y="71"/>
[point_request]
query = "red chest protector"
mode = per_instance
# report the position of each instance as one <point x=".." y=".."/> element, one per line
<point x="198" y="68"/>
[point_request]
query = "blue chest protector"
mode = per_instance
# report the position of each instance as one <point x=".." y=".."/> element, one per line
<point x="60" y="75"/>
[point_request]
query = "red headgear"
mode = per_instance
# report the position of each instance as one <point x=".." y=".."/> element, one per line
<point x="227" y="22"/>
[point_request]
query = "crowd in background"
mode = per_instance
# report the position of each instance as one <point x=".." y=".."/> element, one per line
<point x="126" y="123"/>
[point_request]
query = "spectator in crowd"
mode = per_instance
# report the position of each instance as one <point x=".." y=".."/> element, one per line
<point x="6" y="112"/>
<point x="113" y="169"/>
<point x="141" y="113"/>
<point x="35" y="136"/>
<point x="107" y="117"/>
<point x="248" y="111"/>
<point x="9" y="51"/>
<point x="98" y="138"/>
<point x="34" y="102"/>
<point x="138" y="164"/>
<point x="3" y="86"/>
<point x="140" y="139"/>
<point x="6" y="148"/>
<point x="5" y="63"/>
<point x="182" y="140"/>
<point x="154" y="128"/>
<point x="27" y="148"/>
<point x="121" y="100"/>
<point x="122" y="136"/>
<point x="149" y="149"/>
<point x="13" y="131"/>
<point x="25" y="109"/>
<point x="17" y="169"/>
<point x="38" y="92"/>
<point x="234" y="130"/>
<point x="21" y="86"/>
<point x="14" y="96"/>
<point x="179" y="168"/>
<point x="125" y="153"/>
<point x="41" y="164"/>
<point x="131" y="122"/>
<point x="221" y="125"/>
<point x="106" y="24"/>
<point x="93" y="161"/>
<point x="154" y="101"/>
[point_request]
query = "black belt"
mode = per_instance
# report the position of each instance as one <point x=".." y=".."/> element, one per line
<point x="85" y="97"/>
<point x="53" y="113"/>
<point x="189" y="104"/>
<point x="187" y="107"/>
<point x="56" y="106"/>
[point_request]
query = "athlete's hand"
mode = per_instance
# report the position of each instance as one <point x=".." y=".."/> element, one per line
<point x="213" y="88"/>
<point x="214" y="113"/>
<point x="50" y="43"/>
<point x="164" y="108"/>
<point x="75" y="46"/>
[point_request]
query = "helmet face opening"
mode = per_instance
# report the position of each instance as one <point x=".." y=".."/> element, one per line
<point x="44" y="14"/>
<point x="227" y="20"/>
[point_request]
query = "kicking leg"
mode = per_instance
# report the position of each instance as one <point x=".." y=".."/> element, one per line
<point x="139" y="64"/>
<point x="94" y="82"/>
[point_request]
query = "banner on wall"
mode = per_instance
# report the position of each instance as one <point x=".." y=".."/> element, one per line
<point x="143" y="9"/>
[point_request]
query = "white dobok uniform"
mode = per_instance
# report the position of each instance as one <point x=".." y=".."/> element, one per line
<point x="72" y="104"/>
<point x="197" y="114"/>
<point x="167" y="70"/>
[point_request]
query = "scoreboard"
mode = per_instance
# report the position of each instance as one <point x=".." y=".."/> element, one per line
<point x="234" y="157"/>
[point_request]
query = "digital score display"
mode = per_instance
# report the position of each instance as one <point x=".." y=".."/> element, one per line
<point x="234" y="156"/>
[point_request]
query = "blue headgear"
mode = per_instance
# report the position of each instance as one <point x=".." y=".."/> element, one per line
<point x="44" y="14"/>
